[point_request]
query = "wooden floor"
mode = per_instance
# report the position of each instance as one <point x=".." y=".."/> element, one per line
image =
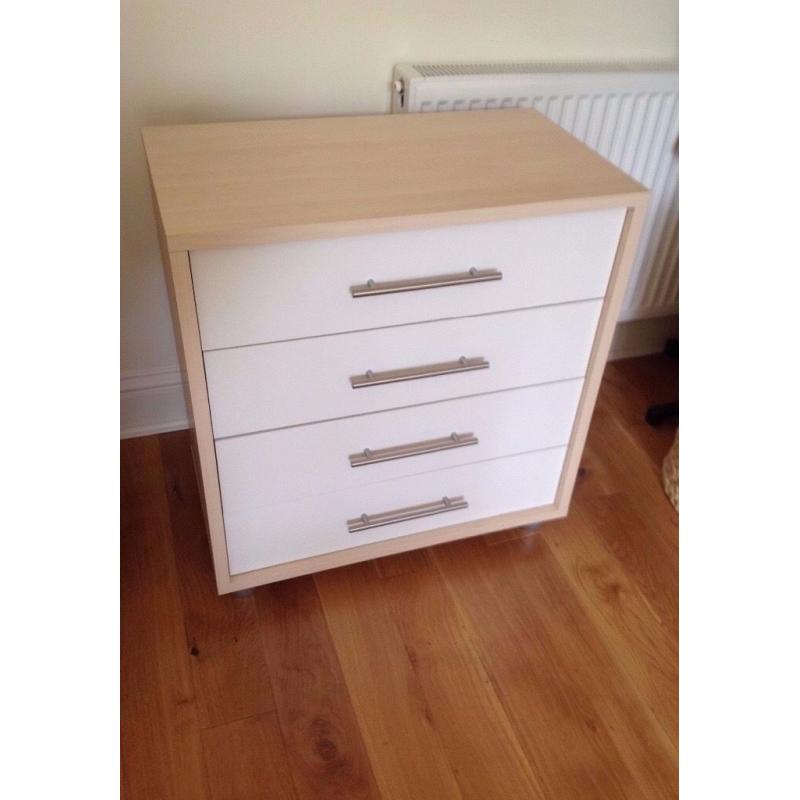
<point x="515" y="665"/>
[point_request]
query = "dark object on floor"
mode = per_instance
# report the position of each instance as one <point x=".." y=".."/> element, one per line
<point x="661" y="412"/>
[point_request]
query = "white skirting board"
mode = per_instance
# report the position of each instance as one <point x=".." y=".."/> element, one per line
<point x="642" y="337"/>
<point x="153" y="401"/>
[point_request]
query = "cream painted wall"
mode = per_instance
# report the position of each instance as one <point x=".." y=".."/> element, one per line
<point x="212" y="60"/>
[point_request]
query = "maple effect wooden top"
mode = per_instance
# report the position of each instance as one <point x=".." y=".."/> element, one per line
<point x="235" y="183"/>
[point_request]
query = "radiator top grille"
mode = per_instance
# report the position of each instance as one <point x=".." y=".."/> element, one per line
<point x="530" y="68"/>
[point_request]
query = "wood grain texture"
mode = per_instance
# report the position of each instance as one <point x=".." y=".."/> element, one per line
<point x="554" y="673"/>
<point x="641" y="641"/>
<point x="253" y="182"/>
<point x="160" y="742"/>
<point x="642" y="542"/>
<point x="246" y="760"/>
<point x="633" y="474"/>
<point x="324" y="747"/>
<point x="407" y="754"/>
<point x="475" y="731"/>
<point x="522" y="664"/>
<point x="227" y="657"/>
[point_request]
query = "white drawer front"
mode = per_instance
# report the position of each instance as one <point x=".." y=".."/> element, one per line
<point x="263" y="536"/>
<point x="266" y="469"/>
<point x="308" y="380"/>
<point x="250" y="295"/>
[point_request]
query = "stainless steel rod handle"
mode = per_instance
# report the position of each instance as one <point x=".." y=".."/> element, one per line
<point x="370" y="378"/>
<point x="473" y="275"/>
<point x="368" y="456"/>
<point x="367" y="521"/>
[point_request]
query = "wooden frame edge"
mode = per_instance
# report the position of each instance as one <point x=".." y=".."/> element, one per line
<point x="362" y="227"/>
<point x="180" y="289"/>
<point x="188" y="330"/>
<point x="617" y="284"/>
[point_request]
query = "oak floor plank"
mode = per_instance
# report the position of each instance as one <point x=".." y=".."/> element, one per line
<point x="161" y="751"/>
<point x="325" y="751"/>
<point x="475" y="732"/>
<point x="642" y="645"/>
<point x="615" y="464"/>
<point x="638" y="540"/>
<point x="246" y="760"/>
<point x="408" y="758"/>
<point x="584" y="732"/>
<point x="229" y="667"/>
<point x="614" y="454"/>
<point x="621" y="491"/>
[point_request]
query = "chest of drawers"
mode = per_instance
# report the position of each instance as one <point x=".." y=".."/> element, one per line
<point x="393" y="328"/>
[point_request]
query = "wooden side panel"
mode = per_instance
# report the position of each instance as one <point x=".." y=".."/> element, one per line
<point x="626" y="252"/>
<point x="180" y="279"/>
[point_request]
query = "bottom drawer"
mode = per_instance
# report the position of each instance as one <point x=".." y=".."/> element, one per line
<point x="276" y="534"/>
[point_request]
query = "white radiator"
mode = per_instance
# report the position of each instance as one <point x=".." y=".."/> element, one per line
<point x="628" y="115"/>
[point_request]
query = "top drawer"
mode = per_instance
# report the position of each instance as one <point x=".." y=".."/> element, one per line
<point x="250" y="295"/>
